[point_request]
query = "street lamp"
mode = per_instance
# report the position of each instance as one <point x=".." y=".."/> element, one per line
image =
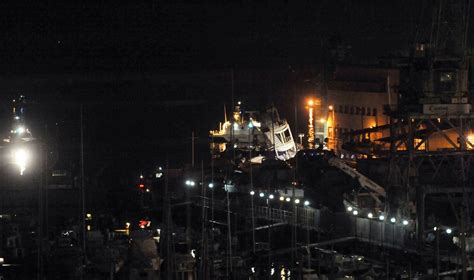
<point x="21" y="158"/>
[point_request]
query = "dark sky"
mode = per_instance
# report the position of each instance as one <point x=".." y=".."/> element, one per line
<point x="61" y="54"/>
<point x="153" y="35"/>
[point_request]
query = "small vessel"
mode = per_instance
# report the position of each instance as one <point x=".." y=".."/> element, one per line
<point x="255" y="131"/>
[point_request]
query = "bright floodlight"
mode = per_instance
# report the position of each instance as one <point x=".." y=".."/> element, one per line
<point x="297" y="201"/>
<point x="370" y="215"/>
<point x="252" y="193"/>
<point x="381" y="217"/>
<point x="261" y="194"/>
<point x="20" y="130"/>
<point x="288" y="199"/>
<point x="306" y="203"/>
<point x="355" y="212"/>
<point x="393" y="220"/>
<point x="349" y="209"/>
<point x="449" y="231"/>
<point x="271" y="196"/>
<point x="211" y="185"/>
<point x="21" y="158"/>
<point x="405" y="222"/>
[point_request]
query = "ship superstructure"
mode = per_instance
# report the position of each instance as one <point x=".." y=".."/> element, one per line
<point x="264" y="132"/>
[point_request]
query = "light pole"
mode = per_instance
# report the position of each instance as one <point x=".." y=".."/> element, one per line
<point x="311" y="134"/>
<point x="331" y="108"/>
<point x="252" y="191"/>
<point x="307" y="210"/>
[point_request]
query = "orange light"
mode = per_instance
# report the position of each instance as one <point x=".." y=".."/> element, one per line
<point x="331" y="107"/>
<point x="322" y="120"/>
<point x="311" y="102"/>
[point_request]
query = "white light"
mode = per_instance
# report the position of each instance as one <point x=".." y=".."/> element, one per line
<point x="147" y="190"/>
<point x="297" y="201"/>
<point x="355" y="212"/>
<point x="250" y="125"/>
<point x="381" y="217"/>
<point x="193" y="253"/>
<point x="236" y="126"/>
<point x="21" y="158"/>
<point x="393" y="220"/>
<point x="405" y="222"/>
<point x="288" y="199"/>
<point x="449" y="231"/>
<point x="306" y="203"/>
<point x="349" y="209"/>
<point x="271" y="196"/>
<point x="435" y="228"/>
<point x="211" y="185"/>
<point x="20" y="130"/>
<point x="370" y="215"/>
<point x="282" y="198"/>
<point x="272" y="271"/>
<point x="141" y="176"/>
<point x="252" y="193"/>
<point x="192" y="183"/>
<point x="252" y="269"/>
<point x="261" y="194"/>
<point x="188" y="183"/>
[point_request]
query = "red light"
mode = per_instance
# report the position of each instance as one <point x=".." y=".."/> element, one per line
<point x="141" y="186"/>
<point x="144" y="223"/>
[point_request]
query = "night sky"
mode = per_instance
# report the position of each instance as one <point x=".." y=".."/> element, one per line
<point x="132" y="64"/>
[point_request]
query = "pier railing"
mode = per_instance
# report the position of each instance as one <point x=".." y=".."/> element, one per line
<point x="341" y="225"/>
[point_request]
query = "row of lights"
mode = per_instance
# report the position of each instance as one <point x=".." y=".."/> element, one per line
<point x="371" y="216"/>
<point x="448" y="230"/>
<point x="282" y="198"/>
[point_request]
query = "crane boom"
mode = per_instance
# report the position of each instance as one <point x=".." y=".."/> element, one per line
<point x="363" y="180"/>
